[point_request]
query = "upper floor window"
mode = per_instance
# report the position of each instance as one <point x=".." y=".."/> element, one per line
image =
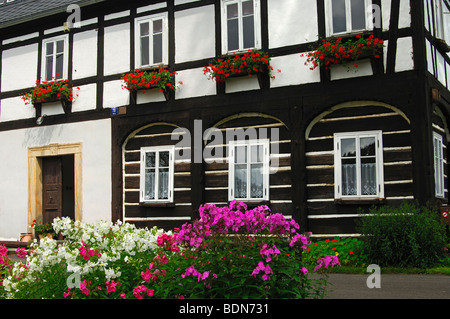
<point x="54" y="58"/>
<point x="157" y="172"/>
<point x="240" y="25"/>
<point x="249" y="170"/>
<point x="358" y="165"/>
<point x="438" y="165"/>
<point x="151" y="40"/>
<point x="442" y="20"/>
<point x="346" y="16"/>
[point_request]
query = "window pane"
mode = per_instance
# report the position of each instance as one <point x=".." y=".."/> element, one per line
<point x="163" y="187"/>
<point x="240" y="181"/>
<point x="367" y="146"/>
<point x="157" y="26"/>
<point x="150" y="159"/>
<point x="60" y="46"/>
<point x="240" y="154"/>
<point x="157" y="48"/>
<point x="249" y="31"/>
<point x="368" y="176"/>
<point x="149" y="191"/>
<point x="348" y="147"/>
<point x="247" y="8"/>
<point x="49" y="67"/>
<point x="233" y="34"/>
<point x="145" y="27"/>
<point x="49" y="48"/>
<point x="164" y="159"/>
<point x="59" y="66"/>
<point x="339" y="19"/>
<point x="256" y="153"/>
<point x="145" y="51"/>
<point x="358" y="14"/>
<point x="232" y="11"/>
<point x="349" y="182"/>
<point x="256" y="186"/>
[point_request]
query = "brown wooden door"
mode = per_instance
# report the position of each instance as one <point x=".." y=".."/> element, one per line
<point x="51" y="188"/>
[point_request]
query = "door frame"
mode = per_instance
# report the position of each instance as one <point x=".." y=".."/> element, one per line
<point x="35" y="155"/>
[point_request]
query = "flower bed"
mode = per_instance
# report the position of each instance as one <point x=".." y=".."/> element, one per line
<point x="49" y="91"/>
<point x="228" y="252"/>
<point x="247" y="64"/>
<point x="339" y="51"/>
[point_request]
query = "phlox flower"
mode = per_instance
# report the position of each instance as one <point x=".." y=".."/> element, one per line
<point x="21" y="252"/>
<point x="111" y="286"/>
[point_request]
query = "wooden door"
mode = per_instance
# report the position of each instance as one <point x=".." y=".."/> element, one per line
<point x="51" y="188"/>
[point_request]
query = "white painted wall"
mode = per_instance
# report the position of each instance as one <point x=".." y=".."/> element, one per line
<point x="293" y="71"/>
<point x="292" y="22"/>
<point x="95" y="137"/>
<point x="117" y="49"/>
<point x="114" y="95"/>
<point x="195" y="34"/>
<point x="85" y="54"/>
<point x="15" y="109"/>
<point x="19" y="67"/>
<point x="405" y="57"/>
<point x="195" y="84"/>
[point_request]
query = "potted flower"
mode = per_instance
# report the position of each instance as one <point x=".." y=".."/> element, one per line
<point x="253" y="62"/>
<point x="334" y="51"/>
<point x="50" y="91"/>
<point x="42" y="230"/>
<point x="159" y="79"/>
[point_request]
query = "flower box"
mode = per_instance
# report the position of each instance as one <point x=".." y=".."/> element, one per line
<point x="50" y="91"/>
<point x="252" y="63"/>
<point x="159" y="79"/>
<point x="334" y="51"/>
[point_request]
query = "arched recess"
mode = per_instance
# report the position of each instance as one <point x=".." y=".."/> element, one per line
<point x="177" y="209"/>
<point x="328" y="211"/>
<point x="249" y="126"/>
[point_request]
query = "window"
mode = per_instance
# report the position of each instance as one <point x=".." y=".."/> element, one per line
<point x="151" y="41"/>
<point x="438" y="165"/>
<point x="442" y="20"/>
<point x="358" y="165"/>
<point x="249" y="170"/>
<point x="157" y="174"/>
<point x="346" y="16"/>
<point x="240" y="25"/>
<point x="54" y="58"/>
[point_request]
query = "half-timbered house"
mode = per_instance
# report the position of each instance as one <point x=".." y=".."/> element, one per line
<point x="329" y="141"/>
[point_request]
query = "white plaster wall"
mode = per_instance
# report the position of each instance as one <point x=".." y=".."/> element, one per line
<point x="19" y="67"/>
<point x="441" y="68"/>
<point x="178" y="2"/>
<point x="404" y="60"/>
<point x="195" y="84"/>
<point x="87" y="98"/>
<point x="239" y="84"/>
<point x="117" y="49"/>
<point x="348" y="70"/>
<point x="85" y="54"/>
<point x="149" y="96"/>
<point x="95" y="137"/>
<point x="293" y="71"/>
<point x="405" y="14"/>
<point x="294" y="26"/>
<point x="14" y="108"/>
<point x="195" y="34"/>
<point x="114" y="95"/>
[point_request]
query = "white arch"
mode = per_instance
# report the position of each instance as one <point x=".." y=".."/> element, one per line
<point x="352" y="104"/>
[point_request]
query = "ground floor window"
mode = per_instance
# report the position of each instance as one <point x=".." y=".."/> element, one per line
<point x="438" y="165"/>
<point x="249" y="170"/>
<point x="358" y="165"/>
<point x="157" y="174"/>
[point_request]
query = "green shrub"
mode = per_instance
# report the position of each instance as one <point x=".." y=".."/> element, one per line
<point x="406" y="236"/>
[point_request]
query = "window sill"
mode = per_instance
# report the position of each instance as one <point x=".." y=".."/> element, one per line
<point x="359" y="201"/>
<point x="156" y="204"/>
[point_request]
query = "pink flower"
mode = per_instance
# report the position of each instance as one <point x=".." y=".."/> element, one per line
<point x="21" y="252"/>
<point x="3" y="250"/>
<point x="83" y="288"/>
<point x="66" y="294"/>
<point x="111" y="286"/>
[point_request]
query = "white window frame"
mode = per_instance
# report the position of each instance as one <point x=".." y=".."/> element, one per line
<point x="257" y="26"/>
<point x="231" y="163"/>
<point x="329" y="18"/>
<point x="338" y="164"/>
<point x="157" y="150"/>
<point x="165" y="40"/>
<point x="438" y="150"/>
<point x="53" y="40"/>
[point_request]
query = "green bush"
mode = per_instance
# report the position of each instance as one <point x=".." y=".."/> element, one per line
<point x="406" y="236"/>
